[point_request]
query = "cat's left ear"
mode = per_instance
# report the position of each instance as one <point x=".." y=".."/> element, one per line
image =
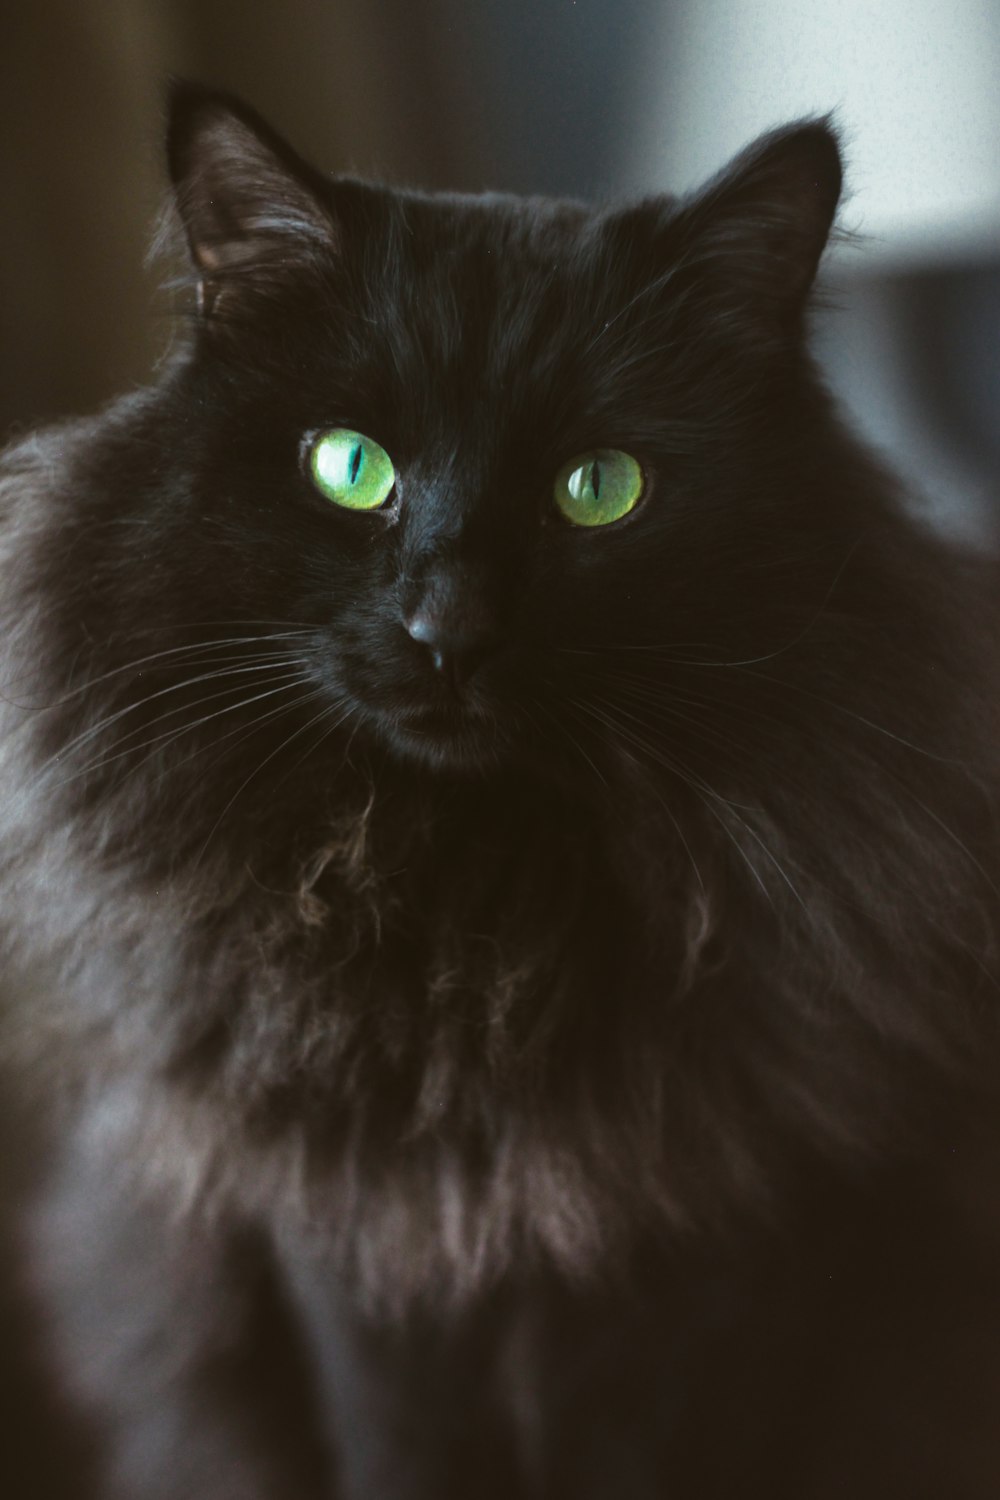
<point x="761" y="225"/>
<point x="248" y="204"/>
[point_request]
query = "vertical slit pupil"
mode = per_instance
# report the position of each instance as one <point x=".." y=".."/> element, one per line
<point x="355" y="463"/>
<point x="595" y="479"/>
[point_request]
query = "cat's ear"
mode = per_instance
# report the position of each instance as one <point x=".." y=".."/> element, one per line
<point x="249" y="206"/>
<point x="761" y="225"/>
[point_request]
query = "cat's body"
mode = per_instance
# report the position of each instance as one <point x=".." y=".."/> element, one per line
<point x="463" y="935"/>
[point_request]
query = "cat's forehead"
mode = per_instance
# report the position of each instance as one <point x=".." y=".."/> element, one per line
<point x="488" y="288"/>
<point x="534" y="231"/>
<point x="479" y="255"/>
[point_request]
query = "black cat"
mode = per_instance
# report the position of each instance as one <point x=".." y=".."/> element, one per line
<point x="498" y="845"/>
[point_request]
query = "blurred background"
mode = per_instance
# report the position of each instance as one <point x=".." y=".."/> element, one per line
<point x="579" y="97"/>
<point x="586" y="97"/>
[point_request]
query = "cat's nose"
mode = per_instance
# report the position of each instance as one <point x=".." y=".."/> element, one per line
<point x="456" y="651"/>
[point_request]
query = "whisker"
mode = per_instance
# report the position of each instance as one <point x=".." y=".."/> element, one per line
<point x="671" y="711"/>
<point x="706" y="794"/>
<point x="260" y="721"/>
<point x="656" y="751"/>
<point x="264" y="663"/>
<point x="192" y="649"/>
<point x="256" y="772"/>
<point x="944" y="760"/>
<point x="810" y="732"/>
<point x="169" y="736"/>
<point x="185" y="707"/>
<point x="769" y="655"/>
<point x="574" y="742"/>
<point x="332" y="728"/>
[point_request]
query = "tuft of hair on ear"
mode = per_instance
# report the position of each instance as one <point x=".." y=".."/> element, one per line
<point x="247" y="206"/>
<point x="758" y="229"/>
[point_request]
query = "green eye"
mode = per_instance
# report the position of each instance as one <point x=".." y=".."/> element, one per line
<point x="598" y="488"/>
<point x="351" y="469"/>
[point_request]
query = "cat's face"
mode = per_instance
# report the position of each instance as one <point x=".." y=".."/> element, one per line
<point x="402" y="469"/>
<point x="501" y="461"/>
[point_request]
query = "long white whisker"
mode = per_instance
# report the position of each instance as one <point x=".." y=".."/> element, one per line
<point x="194" y="649"/>
<point x="574" y="742"/>
<point x="706" y="794"/>
<point x="281" y="711"/>
<point x="256" y="772"/>
<point x="276" y="674"/>
<point x="266" y="663"/>
<point x="330" y="729"/>
<point x="168" y="736"/>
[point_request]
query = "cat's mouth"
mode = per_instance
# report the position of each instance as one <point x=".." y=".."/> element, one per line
<point x="433" y="719"/>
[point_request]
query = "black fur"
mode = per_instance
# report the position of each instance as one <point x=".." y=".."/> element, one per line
<point x="444" y="1011"/>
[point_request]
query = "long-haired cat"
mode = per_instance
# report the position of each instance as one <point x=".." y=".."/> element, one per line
<point x="498" y="838"/>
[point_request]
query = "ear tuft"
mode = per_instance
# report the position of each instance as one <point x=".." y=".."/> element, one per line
<point x="245" y="199"/>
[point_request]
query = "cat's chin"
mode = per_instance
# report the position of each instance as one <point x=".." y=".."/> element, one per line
<point x="443" y="741"/>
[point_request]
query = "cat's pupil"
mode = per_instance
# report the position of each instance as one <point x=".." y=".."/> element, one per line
<point x="355" y="463"/>
<point x="595" y="480"/>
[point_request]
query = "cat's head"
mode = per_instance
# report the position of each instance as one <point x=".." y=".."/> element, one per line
<point x="475" y="480"/>
<point x="480" y="447"/>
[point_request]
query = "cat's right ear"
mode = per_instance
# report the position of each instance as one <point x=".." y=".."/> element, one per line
<point x="249" y="206"/>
